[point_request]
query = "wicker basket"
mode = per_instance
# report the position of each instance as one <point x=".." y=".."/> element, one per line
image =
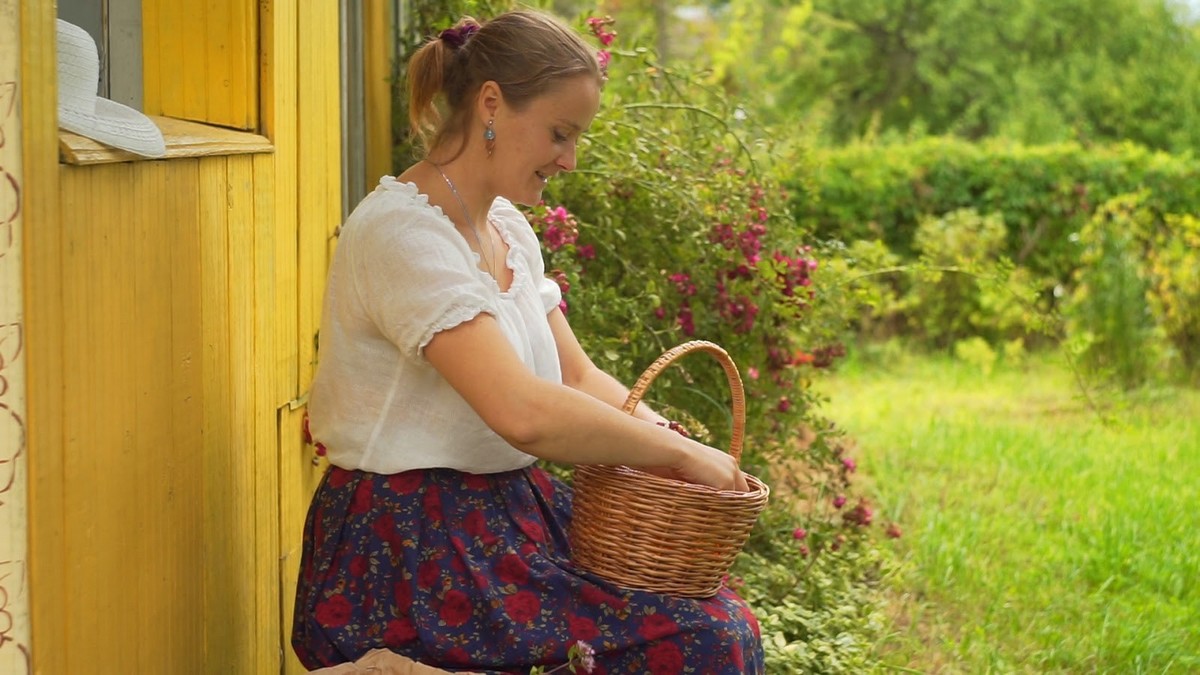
<point x="641" y="531"/>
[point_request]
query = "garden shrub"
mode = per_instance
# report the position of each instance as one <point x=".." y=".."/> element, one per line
<point x="945" y="303"/>
<point x="1108" y="317"/>
<point x="676" y="227"/>
<point x="1173" y="269"/>
<point x="1044" y="193"/>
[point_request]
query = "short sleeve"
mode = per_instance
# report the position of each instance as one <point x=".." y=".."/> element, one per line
<point x="414" y="276"/>
<point x="516" y="222"/>
<point x="550" y="293"/>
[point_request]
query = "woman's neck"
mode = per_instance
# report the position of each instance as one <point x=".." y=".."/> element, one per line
<point x="465" y="194"/>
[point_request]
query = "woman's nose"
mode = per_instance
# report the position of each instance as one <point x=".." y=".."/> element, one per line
<point x="567" y="160"/>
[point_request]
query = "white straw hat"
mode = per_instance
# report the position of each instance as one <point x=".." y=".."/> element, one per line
<point x="81" y="111"/>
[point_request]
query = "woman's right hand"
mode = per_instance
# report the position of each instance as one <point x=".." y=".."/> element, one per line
<point x="709" y="466"/>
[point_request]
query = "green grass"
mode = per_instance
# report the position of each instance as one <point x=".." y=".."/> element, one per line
<point x="1036" y="537"/>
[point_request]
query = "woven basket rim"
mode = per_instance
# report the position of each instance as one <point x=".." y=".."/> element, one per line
<point x="756" y="484"/>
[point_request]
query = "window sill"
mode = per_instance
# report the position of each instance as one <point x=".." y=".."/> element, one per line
<point x="183" y="138"/>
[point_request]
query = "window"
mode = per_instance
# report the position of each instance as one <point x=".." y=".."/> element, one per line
<point x="116" y="26"/>
<point x="192" y="67"/>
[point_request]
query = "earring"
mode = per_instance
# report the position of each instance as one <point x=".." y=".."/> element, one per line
<point x="489" y="137"/>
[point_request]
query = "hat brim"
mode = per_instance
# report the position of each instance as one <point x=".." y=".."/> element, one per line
<point x="116" y="125"/>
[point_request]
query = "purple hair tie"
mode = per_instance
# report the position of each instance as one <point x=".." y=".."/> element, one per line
<point x="457" y="37"/>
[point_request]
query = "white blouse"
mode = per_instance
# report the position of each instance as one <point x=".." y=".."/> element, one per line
<point x="401" y="273"/>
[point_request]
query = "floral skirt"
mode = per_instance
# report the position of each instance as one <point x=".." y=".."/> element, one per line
<point x="471" y="572"/>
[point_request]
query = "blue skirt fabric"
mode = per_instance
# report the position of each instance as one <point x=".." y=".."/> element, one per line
<point x="471" y="572"/>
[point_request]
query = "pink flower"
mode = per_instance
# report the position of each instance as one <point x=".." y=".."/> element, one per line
<point x="586" y="656"/>
<point x="784" y="405"/>
<point x="685" y="321"/>
<point x="849" y="464"/>
<point x="604" y="57"/>
<point x="586" y="252"/>
<point x="893" y="531"/>
<point x="752" y="373"/>
<point x="559" y="214"/>
<point x="861" y="514"/>
<point x="799" y="533"/>
<point x="839" y="501"/>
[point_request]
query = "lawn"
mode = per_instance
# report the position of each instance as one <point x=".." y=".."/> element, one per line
<point x="1037" y="537"/>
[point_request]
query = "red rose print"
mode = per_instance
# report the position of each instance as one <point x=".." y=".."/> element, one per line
<point x="456" y="608"/>
<point x="522" y="607"/>
<point x="333" y="612"/>
<point x="665" y="659"/>
<point x="458" y="655"/>
<point x="735" y="655"/>
<point x="542" y="479"/>
<point x="655" y="626"/>
<point x="398" y="632"/>
<point x="532" y="530"/>
<point x="428" y="573"/>
<point x="475" y="481"/>
<point x="716" y="611"/>
<point x="405" y="483"/>
<point x="362" y="498"/>
<point x="403" y="594"/>
<point x="384" y="527"/>
<point x="358" y="565"/>
<point x="594" y="595"/>
<point x="749" y="614"/>
<point x="457" y="565"/>
<point x="432" y="503"/>
<point x="475" y="524"/>
<point x="582" y="628"/>
<point x="338" y="477"/>
<point x="512" y="570"/>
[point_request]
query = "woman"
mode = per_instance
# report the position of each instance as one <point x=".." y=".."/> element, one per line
<point x="447" y="370"/>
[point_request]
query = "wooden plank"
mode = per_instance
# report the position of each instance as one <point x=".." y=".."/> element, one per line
<point x="242" y="31"/>
<point x="191" y="30"/>
<point x="220" y="50"/>
<point x="98" y="399"/>
<point x="320" y="169"/>
<point x="185" y="497"/>
<point x="183" y="139"/>
<point x="150" y="475"/>
<point x="153" y="69"/>
<point x="223" y="641"/>
<point x="279" y="120"/>
<point x="44" y="337"/>
<point x="265" y="362"/>
<point x="377" y="66"/>
<point x="243" y="375"/>
<point x="297" y="465"/>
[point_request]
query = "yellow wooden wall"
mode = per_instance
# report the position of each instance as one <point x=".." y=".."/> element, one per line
<point x="172" y="307"/>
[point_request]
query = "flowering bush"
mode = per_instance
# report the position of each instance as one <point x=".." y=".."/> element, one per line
<point x="674" y="228"/>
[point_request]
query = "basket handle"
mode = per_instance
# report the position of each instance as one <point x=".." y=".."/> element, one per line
<point x="731" y="374"/>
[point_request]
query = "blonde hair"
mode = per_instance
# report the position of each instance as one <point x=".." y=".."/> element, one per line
<point x="527" y="53"/>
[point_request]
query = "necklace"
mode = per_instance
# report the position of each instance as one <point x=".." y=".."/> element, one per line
<point x="470" y="226"/>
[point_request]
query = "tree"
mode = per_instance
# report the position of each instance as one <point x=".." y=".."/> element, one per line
<point x="1035" y="70"/>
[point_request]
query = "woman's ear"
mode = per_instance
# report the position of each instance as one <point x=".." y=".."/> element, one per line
<point x="489" y="100"/>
